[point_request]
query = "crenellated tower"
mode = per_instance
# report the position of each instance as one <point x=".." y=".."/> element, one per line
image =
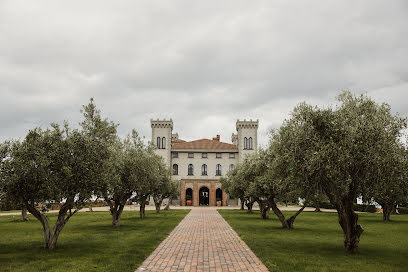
<point x="247" y="132"/>
<point x="161" y="137"/>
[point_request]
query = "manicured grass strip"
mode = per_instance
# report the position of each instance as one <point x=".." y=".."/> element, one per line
<point x="316" y="243"/>
<point x="87" y="243"/>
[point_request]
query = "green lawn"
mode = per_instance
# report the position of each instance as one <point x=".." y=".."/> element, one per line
<point x="87" y="243"/>
<point x="316" y="243"/>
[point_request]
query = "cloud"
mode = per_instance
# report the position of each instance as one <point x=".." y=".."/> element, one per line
<point x="204" y="64"/>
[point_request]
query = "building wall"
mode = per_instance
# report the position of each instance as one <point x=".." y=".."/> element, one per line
<point x="247" y="129"/>
<point x="195" y="185"/>
<point x="162" y="128"/>
<point x="183" y="161"/>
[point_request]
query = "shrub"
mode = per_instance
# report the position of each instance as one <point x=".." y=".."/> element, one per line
<point x="327" y="205"/>
<point x="357" y="207"/>
<point x="403" y="210"/>
<point x="365" y="208"/>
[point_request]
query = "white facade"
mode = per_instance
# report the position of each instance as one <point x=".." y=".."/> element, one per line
<point x="183" y="161"/>
<point x="218" y="159"/>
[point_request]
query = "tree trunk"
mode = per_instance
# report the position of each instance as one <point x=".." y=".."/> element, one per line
<point x="291" y="220"/>
<point x="264" y="209"/>
<point x="317" y="206"/>
<point x="51" y="236"/>
<point x="249" y="205"/>
<point x="116" y="214"/>
<point x="286" y="223"/>
<point x="279" y="214"/>
<point x="387" y="211"/>
<point x="158" y="204"/>
<point x="90" y="206"/>
<point x="395" y="208"/>
<point x="24" y="215"/>
<point x="116" y="208"/>
<point x="142" y="212"/>
<point x="265" y="212"/>
<point x="242" y="204"/>
<point x="348" y="221"/>
<point x="168" y="205"/>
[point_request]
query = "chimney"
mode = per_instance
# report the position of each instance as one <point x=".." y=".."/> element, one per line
<point x="217" y="138"/>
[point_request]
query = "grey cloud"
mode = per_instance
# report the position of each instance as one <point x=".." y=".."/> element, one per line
<point x="204" y="64"/>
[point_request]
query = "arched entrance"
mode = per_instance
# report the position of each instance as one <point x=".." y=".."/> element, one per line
<point x="189" y="197"/>
<point x="218" y="196"/>
<point x="204" y="196"/>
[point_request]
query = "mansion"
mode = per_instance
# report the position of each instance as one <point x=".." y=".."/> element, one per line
<point x="198" y="165"/>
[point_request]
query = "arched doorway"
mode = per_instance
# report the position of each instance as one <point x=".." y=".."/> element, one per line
<point x="218" y="196"/>
<point x="189" y="197"/>
<point x="204" y="196"/>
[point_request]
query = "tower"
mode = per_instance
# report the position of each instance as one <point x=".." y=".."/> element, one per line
<point x="161" y="137"/>
<point x="247" y="137"/>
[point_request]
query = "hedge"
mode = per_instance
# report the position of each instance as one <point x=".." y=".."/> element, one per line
<point x="357" y="207"/>
<point x="402" y="210"/>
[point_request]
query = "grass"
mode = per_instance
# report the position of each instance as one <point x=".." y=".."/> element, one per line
<point x="87" y="243"/>
<point x="316" y="243"/>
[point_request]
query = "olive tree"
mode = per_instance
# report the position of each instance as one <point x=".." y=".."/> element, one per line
<point x="340" y="151"/>
<point x="269" y="187"/>
<point x="53" y="166"/>
<point x="236" y="184"/>
<point x="254" y="166"/>
<point x="110" y="186"/>
<point x="5" y="149"/>
<point x="114" y="188"/>
<point x="142" y="169"/>
<point x="166" y="188"/>
<point x="390" y="185"/>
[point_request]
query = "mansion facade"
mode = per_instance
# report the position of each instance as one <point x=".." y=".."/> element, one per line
<point x="198" y="165"/>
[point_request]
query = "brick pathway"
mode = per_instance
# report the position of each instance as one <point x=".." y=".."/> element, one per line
<point x="203" y="241"/>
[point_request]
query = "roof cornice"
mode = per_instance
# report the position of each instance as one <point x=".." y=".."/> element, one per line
<point x="205" y="150"/>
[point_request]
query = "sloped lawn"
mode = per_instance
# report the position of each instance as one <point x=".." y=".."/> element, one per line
<point x="87" y="243"/>
<point x="316" y="243"/>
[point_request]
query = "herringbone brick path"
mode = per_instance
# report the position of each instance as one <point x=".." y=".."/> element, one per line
<point x="203" y="241"/>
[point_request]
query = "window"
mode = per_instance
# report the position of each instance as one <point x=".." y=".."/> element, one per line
<point x="190" y="170"/>
<point x="175" y="169"/>
<point x="191" y="155"/>
<point x="231" y="167"/>
<point x="245" y="143"/>
<point x="232" y="155"/>
<point x="174" y="155"/>
<point x="158" y="142"/>
<point x="164" y="143"/>
<point x="204" y="170"/>
<point x="204" y="155"/>
<point x="218" y="155"/>
<point x="250" y="143"/>
<point x="218" y="170"/>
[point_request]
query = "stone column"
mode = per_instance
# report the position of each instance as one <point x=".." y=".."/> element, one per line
<point x="195" y="194"/>
<point x="183" y="193"/>
<point x="212" y="194"/>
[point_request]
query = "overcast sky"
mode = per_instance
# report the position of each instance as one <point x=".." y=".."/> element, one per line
<point x="202" y="63"/>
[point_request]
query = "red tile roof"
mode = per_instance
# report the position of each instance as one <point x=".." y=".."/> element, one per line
<point x="203" y="144"/>
<point x="177" y="141"/>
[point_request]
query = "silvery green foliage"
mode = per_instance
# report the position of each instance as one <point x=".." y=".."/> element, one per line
<point x="344" y="151"/>
<point x="56" y="165"/>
